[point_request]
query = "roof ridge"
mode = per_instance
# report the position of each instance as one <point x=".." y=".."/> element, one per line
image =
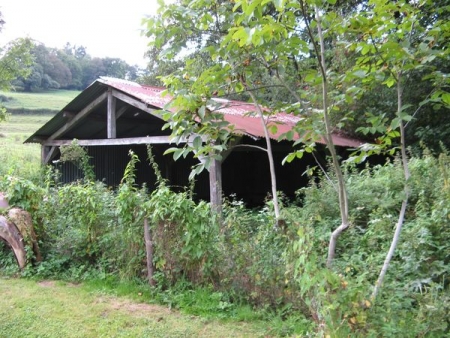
<point x="109" y="79"/>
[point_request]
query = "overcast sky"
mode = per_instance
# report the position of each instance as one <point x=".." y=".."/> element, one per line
<point x="106" y="28"/>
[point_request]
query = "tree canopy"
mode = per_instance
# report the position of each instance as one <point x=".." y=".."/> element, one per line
<point x="263" y="47"/>
<point x="15" y="61"/>
<point x="71" y="68"/>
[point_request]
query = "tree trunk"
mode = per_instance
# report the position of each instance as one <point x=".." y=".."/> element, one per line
<point x="406" y="173"/>
<point x="342" y="192"/>
<point x="273" y="177"/>
<point x="149" y="251"/>
<point x="215" y="188"/>
<point x="12" y="236"/>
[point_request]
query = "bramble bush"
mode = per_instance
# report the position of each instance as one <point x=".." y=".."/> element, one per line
<point x="210" y="265"/>
<point x="184" y="233"/>
<point x="415" y="296"/>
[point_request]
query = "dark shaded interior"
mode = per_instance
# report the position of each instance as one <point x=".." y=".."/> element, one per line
<point x="245" y="172"/>
<point x="132" y="122"/>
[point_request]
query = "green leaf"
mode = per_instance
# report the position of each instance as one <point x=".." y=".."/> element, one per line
<point x="201" y="112"/>
<point x="279" y="4"/>
<point x="360" y="73"/>
<point x="427" y="59"/>
<point x="289" y="158"/>
<point x="390" y="82"/>
<point x="250" y="9"/>
<point x="272" y="128"/>
<point x="290" y="135"/>
<point x="365" y="49"/>
<point x="407" y="117"/>
<point x="446" y="98"/>
<point x="311" y="77"/>
<point x="177" y="153"/>
<point x="197" y="142"/>
<point x="170" y="150"/>
<point x="242" y="36"/>
<point x="395" y="123"/>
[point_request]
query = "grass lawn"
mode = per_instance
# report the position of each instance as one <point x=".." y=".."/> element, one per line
<point x="58" y="309"/>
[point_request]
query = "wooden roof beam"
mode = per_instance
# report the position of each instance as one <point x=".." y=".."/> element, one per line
<point x="79" y="117"/>
<point x="121" y="111"/>
<point x="113" y="142"/>
<point x="133" y="102"/>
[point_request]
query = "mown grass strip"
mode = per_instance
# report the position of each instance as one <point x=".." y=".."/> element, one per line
<point x="56" y="309"/>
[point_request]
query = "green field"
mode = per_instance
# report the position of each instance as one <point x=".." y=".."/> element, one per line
<point x="51" y="100"/>
<point x="17" y="158"/>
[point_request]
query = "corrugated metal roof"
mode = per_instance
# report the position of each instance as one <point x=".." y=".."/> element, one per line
<point x="237" y="113"/>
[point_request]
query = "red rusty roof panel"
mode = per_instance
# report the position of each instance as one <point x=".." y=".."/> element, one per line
<point x="242" y="115"/>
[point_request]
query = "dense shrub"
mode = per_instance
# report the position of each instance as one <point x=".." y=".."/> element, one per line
<point x="418" y="279"/>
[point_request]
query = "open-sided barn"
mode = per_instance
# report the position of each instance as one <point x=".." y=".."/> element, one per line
<point x="112" y="116"/>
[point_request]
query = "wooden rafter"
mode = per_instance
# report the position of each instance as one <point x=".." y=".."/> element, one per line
<point x="121" y="111"/>
<point x="79" y="117"/>
<point x="133" y="102"/>
<point x="113" y="142"/>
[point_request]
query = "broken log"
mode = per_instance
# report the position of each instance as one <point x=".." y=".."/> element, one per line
<point x="23" y="221"/>
<point x="11" y="235"/>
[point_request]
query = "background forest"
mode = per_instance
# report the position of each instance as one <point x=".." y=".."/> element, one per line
<point x="363" y="251"/>
<point x="70" y="68"/>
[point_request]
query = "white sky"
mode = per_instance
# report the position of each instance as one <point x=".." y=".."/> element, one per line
<point x="106" y="28"/>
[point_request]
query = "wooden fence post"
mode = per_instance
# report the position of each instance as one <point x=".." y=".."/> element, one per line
<point x="149" y="250"/>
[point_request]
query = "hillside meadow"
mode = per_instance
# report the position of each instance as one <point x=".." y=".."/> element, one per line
<point x="27" y="113"/>
<point x="53" y="100"/>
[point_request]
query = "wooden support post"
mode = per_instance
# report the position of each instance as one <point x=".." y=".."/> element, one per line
<point x="149" y="250"/>
<point x="111" y="125"/>
<point x="47" y="153"/>
<point x="215" y="186"/>
<point x="44" y="152"/>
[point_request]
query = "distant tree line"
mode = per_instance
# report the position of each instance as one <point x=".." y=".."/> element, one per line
<point x="70" y="68"/>
<point x="15" y="62"/>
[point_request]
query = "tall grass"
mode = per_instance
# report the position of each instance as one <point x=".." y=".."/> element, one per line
<point x="17" y="158"/>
